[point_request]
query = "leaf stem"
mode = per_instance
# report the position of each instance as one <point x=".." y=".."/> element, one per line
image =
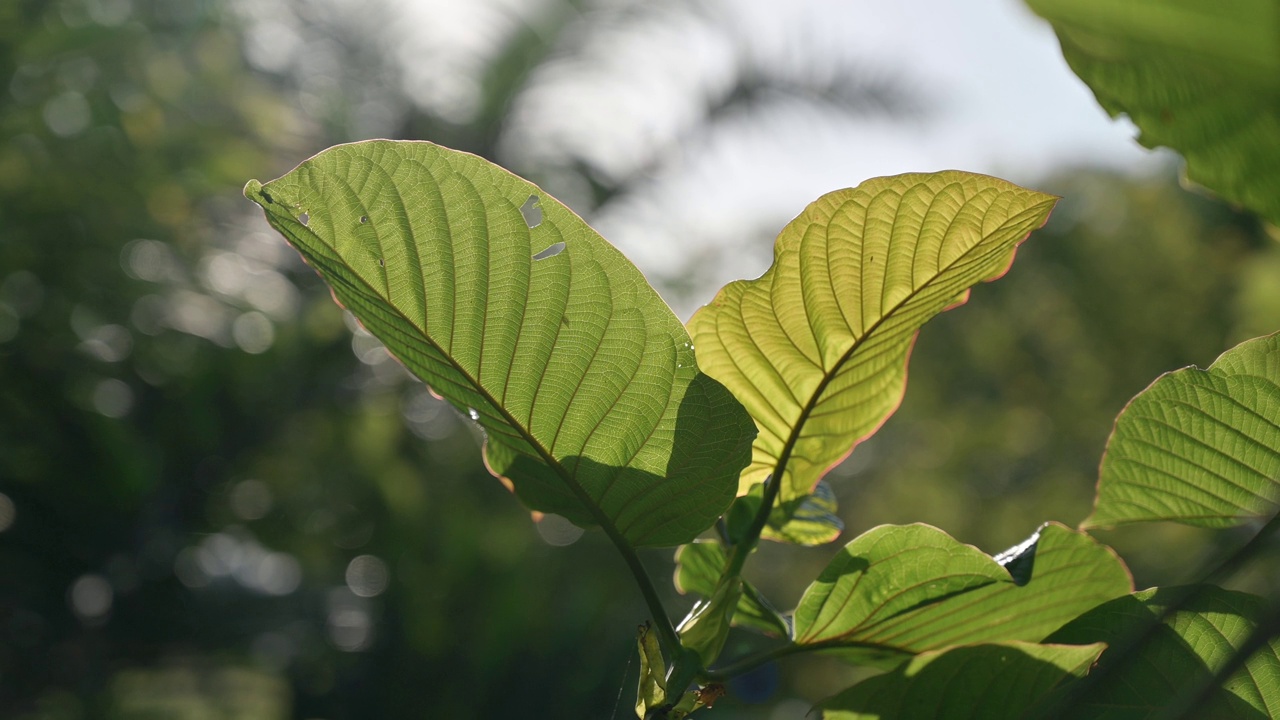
<point x="747" y="663"/>
<point x="667" y="636"/>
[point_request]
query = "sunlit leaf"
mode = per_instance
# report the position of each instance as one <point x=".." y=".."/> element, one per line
<point x="698" y="569"/>
<point x="807" y="520"/>
<point x="512" y="308"/>
<point x="652" y="691"/>
<point x="907" y="589"/>
<point x="1201" y="78"/>
<point x="1176" y="659"/>
<point x="1200" y="447"/>
<point x="817" y="347"/>
<point x="992" y="682"/>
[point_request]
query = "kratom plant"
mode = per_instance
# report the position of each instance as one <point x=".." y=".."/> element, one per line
<point x="598" y="405"/>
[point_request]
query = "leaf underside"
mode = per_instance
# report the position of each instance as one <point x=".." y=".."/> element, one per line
<point x="816" y="348"/>
<point x="993" y="682"/>
<point x="1201" y="78"/>
<point x="1179" y="658"/>
<point x="907" y="589"/>
<point x="582" y="378"/>
<point x="1201" y="447"/>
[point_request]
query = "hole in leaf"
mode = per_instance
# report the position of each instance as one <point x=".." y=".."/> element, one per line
<point x="364" y="219"/>
<point x="531" y="211"/>
<point x="304" y="218"/>
<point x="382" y="262"/>
<point x="552" y="251"/>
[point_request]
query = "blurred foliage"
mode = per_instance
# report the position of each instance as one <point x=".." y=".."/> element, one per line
<point x="218" y="500"/>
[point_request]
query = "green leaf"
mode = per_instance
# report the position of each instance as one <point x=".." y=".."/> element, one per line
<point x="582" y="378"/>
<point x="993" y="682"/>
<point x="807" y="520"/>
<point x="907" y="589"/>
<point x="698" y="570"/>
<point x="1200" y="447"/>
<point x="1201" y="78"/>
<point x="817" y="347"/>
<point x="652" y="691"/>
<point x="1178" y="659"/>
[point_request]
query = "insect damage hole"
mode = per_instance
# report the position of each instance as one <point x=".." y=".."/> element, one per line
<point x="552" y="251"/>
<point x="532" y="211"/>
<point x="304" y="218"/>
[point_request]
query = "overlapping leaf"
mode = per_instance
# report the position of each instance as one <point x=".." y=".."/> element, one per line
<point x="817" y="347"/>
<point x="512" y="308"/>
<point x="807" y="520"/>
<point x="1200" y="447"/>
<point x="1172" y="663"/>
<point x="1201" y="78"/>
<point x="908" y="589"/>
<point x="698" y="569"/>
<point x="992" y="682"/>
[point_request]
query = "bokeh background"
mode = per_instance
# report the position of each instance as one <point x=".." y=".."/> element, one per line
<point x="220" y="498"/>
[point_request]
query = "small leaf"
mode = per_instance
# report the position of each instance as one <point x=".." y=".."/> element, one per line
<point x="907" y="589"/>
<point x="809" y="520"/>
<point x="652" y="691"/>
<point x="1201" y="447"/>
<point x="706" y="627"/>
<point x="1201" y="78"/>
<point x="1179" y="658"/>
<point x="816" y="348"/>
<point x="698" y="570"/>
<point x="582" y="378"/>
<point x="992" y="682"/>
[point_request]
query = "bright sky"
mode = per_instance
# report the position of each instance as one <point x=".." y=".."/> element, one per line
<point x="998" y="96"/>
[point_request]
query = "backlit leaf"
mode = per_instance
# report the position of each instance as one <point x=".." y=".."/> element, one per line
<point x="1176" y="659"/>
<point x="807" y="520"/>
<point x="698" y="569"/>
<point x="1200" y="447"/>
<point x="816" y="348"/>
<point x="1201" y="78"/>
<point x="992" y="682"/>
<point x="513" y="309"/>
<point x="908" y="589"/>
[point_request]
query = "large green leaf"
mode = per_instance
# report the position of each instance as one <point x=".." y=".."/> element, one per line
<point x="1202" y="78"/>
<point x="907" y="589"/>
<point x="1175" y="659"/>
<point x="817" y="347"/>
<point x="1198" y="446"/>
<point x="512" y="308"/>
<point x="992" y="682"/>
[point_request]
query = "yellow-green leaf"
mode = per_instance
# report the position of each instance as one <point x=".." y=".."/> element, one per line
<point x="816" y="348"/>
<point x="1201" y="447"/>
<point x="517" y="312"/>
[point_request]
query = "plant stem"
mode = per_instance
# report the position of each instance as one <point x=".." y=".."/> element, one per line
<point x="667" y="636"/>
<point x="747" y="663"/>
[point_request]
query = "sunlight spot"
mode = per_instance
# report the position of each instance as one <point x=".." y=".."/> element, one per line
<point x="558" y="531"/>
<point x="367" y="576"/>
<point x="90" y="598"/>
<point x="7" y="512"/>
<point x="113" y="398"/>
